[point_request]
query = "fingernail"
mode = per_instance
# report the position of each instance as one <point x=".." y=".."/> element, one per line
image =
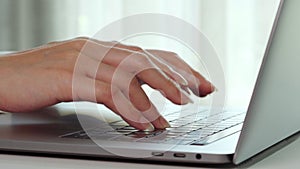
<point x="150" y="128"/>
<point x="164" y="123"/>
<point x="215" y="89"/>
<point x="167" y="125"/>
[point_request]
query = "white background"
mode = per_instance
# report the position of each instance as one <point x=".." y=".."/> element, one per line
<point x="238" y="29"/>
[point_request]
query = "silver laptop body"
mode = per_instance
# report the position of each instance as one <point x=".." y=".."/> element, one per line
<point x="273" y="116"/>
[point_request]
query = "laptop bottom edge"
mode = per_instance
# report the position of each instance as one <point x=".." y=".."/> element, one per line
<point x="94" y="152"/>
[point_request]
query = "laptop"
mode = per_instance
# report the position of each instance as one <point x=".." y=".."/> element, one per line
<point x="198" y="136"/>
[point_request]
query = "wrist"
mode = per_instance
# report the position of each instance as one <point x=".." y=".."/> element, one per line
<point x="5" y="67"/>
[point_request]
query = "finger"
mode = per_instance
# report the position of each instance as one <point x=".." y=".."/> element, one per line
<point x="140" y="64"/>
<point x="130" y="87"/>
<point x="159" y="62"/>
<point x="100" y="92"/>
<point x="198" y="84"/>
<point x="168" y="70"/>
<point x="162" y="65"/>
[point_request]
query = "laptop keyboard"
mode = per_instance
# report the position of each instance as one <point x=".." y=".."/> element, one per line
<point x="191" y="128"/>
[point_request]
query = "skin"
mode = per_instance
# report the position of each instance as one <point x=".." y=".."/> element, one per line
<point x="107" y="73"/>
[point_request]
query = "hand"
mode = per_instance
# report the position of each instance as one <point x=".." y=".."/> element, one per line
<point x="103" y="72"/>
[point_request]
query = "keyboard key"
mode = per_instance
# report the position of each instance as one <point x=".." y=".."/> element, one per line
<point x="186" y="128"/>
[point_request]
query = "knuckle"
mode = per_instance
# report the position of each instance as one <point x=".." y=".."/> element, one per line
<point x="79" y="43"/>
<point x="167" y="53"/>
<point x="135" y="48"/>
<point x="82" y="38"/>
<point x="171" y="54"/>
<point x="142" y="60"/>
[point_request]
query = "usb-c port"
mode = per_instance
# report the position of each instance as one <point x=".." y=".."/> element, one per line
<point x="158" y="154"/>
<point x="179" y="155"/>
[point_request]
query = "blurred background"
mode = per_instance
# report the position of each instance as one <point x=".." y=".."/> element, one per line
<point x="238" y="29"/>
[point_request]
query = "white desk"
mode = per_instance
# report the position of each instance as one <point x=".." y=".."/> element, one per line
<point x="288" y="157"/>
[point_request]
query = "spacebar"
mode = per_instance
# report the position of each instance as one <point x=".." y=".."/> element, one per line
<point x="218" y="135"/>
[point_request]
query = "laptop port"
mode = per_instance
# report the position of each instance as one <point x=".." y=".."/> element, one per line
<point x="198" y="156"/>
<point x="179" y="155"/>
<point x="157" y="154"/>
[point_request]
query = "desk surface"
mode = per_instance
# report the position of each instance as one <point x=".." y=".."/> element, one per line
<point x="287" y="157"/>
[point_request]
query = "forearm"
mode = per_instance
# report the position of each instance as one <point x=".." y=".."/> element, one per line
<point x="22" y="86"/>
